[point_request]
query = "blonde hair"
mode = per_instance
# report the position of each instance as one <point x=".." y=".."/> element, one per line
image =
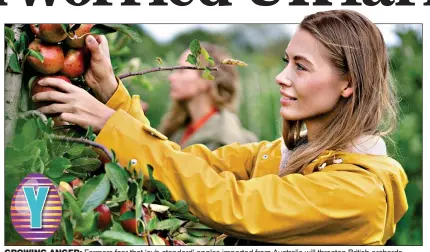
<point x="356" y="48"/>
<point x="224" y="92"/>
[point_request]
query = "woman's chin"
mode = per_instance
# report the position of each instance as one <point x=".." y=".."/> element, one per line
<point x="288" y="115"/>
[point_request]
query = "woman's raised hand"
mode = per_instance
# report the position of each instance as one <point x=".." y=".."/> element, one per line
<point x="100" y="76"/>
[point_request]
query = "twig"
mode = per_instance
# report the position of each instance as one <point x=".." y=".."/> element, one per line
<point x="170" y="238"/>
<point x="157" y="69"/>
<point x="148" y="236"/>
<point x="84" y="141"/>
<point x="71" y="126"/>
<point x="33" y="113"/>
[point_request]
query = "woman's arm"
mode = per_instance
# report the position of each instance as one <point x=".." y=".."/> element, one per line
<point x="329" y="207"/>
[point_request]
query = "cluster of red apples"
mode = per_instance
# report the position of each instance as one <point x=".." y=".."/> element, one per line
<point x="64" y="53"/>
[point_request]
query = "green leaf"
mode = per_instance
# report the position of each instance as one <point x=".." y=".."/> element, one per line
<point x="132" y="190"/>
<point x="116" y="200"/>
<point x="116" y="226"/>
<point x="88" y="223"/>
<point x="10" y="38"/>
<point x="122" y="236"/>
<point x="30" y="82"/>
<point x="8" y="33"/>
<point x="152" y="223"/>
<point x="85" y="164"/>
<point x="211" y="61"/>
<point x="15" y="157"/>
<point x="127" y="216"/>
<point x="171" y="206"/>
<point x="138" y="205"/>
<point x="169" y="224"/>
<point x="128" y="30"/>
<point x="207" y="56"/>
<point x="23" y="42"/>
<point x="57" y="166"/>
<point x="38" y="144"/>
<point x="29" y="130"/>
<point x="49" y="125"/>
<point x="159" y="61"/>
<point x="195" y="48"/>
<point x="65" y="178"/>
<point x="208" y="75"/>
<point x="17" y="46"/>
<point x="65" y="27"/>
<point x="41" y="125"/>
<point x="164" y="192"/>
<point x="203" y="233"/>
<point x="73" y="205"/>
<point x="157" y="240"/>
<point x="118" y="176"/>
<point x="33" y="53"/>
<point x="89" y="132"/>
<point x="149" y="198"/>
<point x="192" y="59"/>
<point x="76" y="149"/>
<point x="181" y="206"/>
<point x="89" y="153"/>
<point x="94" y="192"/>
<point x="14" y="64"/>
<point x="186" y="216"/>
<point x="67" y="229"/>
<point x="150" y="172"/>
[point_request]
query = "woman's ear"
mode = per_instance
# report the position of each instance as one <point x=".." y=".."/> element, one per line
<point x="347" y="91"/>
<point x="347" y="88"/>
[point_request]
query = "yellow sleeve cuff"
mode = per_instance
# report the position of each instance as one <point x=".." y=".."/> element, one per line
<point x="117" y="100"/>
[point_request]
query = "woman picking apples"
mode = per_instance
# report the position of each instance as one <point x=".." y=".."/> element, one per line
<point x="331" y="184"/>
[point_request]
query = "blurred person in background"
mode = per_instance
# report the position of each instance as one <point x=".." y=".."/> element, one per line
<point x="327" y="181"/>
<point x="204" y="111"/>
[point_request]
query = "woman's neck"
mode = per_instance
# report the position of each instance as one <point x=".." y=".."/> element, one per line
<point x="198" y="107"/>
<point x="315" y="125"/>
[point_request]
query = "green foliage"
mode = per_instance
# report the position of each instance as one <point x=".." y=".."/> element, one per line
<point x="407" y="68"/>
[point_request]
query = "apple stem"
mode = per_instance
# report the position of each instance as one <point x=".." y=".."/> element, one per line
<point x="157" y="69"/>
<point x="84" y="141"/>
<point x="33" y="113"/>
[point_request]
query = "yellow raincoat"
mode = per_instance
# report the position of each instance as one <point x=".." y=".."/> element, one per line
<point x="236" y="190"/>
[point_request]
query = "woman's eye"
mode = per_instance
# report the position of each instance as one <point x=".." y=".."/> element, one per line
<point x="285" y="60"/>
<point x="300" y="67"/>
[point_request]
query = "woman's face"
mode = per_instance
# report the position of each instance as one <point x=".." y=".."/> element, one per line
<point x="310" y="86"/>
<point x="185" y="83"/>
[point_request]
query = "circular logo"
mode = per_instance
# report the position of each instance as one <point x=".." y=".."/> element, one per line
<point x="36" y="208"/>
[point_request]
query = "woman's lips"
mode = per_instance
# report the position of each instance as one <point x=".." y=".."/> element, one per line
<point x="287" y="100"/>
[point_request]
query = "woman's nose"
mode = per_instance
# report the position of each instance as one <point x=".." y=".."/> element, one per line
<point x="283" y="79"/>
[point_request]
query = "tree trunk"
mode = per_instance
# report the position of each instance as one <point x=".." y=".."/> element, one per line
<point x="12" y="88"/>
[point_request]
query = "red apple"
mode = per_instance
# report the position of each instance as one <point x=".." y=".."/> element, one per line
<point x="76" y="243"/>
<point x="51" y="33"/>
<point x="131" y="224"/>
<point x="37" y="88"/>
<point x="53" y="57"/>
<point x="104" y="216"/>
<point x="76" y="39"/>
<point x="74" y="63"/>
<point x="178" y="243"/>
<point x="76" y="183"/>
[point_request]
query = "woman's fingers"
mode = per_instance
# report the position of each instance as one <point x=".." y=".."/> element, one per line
<point x="104" y="45"/>
<point x="55" y="108"/>
<point x="58" y="84"/>
<point x="53" y="96"/>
